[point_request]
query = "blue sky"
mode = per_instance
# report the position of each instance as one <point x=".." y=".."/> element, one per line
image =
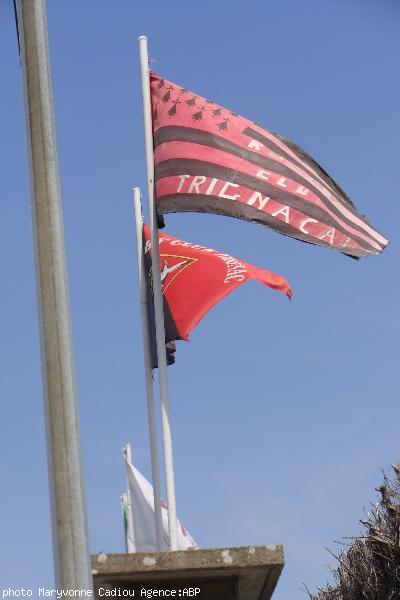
<point x="283" y="413"/>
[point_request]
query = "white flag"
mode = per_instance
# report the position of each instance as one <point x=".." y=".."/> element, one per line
<point x="141" y="504"/>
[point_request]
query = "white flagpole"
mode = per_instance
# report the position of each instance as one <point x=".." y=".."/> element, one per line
<point x="155" y="467"/>
<point x="158" y="301"/>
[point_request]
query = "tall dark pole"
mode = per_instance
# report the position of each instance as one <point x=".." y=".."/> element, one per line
<point x="69" y="527"/>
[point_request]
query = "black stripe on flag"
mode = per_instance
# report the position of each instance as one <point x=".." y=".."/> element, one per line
<point x="188" y="134"/>
<point x="175" y="167"/>
<point x="171" y="203"/>
<point x="301" y="155"/>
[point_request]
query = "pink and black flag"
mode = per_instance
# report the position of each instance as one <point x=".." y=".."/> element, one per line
<point x="209" y="159"/>
<point x="194" y="279"/>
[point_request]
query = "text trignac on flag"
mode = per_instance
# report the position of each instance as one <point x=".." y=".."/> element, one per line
<point x="209" y="159"/>
<point x="194" y="278"/>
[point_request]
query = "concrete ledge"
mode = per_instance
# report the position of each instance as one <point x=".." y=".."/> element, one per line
<point x="247" y="573"/>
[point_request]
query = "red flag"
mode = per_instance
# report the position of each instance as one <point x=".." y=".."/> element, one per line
<point x="195" y="278"/>
<point x="209" y="159"/>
